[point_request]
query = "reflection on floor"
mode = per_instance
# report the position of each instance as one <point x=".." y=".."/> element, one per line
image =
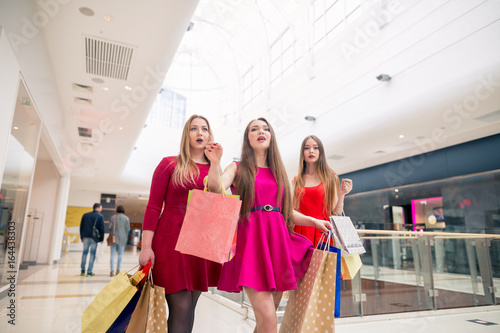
<point x="51" y="298"/>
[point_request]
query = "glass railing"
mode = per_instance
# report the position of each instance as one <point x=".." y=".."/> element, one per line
<point x="407" y="271"/>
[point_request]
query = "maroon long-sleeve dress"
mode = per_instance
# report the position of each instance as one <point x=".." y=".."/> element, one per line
<point x="173" y="270"/>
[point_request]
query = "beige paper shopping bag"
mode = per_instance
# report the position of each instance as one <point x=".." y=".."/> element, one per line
<point x="311" y="307"/>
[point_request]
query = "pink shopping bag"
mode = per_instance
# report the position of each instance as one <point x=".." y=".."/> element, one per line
<point x="209" y="227"/>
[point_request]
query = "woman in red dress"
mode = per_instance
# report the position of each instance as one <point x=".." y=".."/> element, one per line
<point x="183" y="276"/>
<point x="316" y="187"/>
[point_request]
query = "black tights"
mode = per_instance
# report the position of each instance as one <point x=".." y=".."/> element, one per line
<point x="181" y="307"/>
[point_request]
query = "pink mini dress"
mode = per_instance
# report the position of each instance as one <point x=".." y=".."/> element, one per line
<point x="268" y="257"/>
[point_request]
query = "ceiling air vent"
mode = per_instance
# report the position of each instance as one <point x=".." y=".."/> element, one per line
<point x="107" y="59"/>
<point x="82" y="88"/>
<point x="84" y="101"/>
<point x="85" y="132"/>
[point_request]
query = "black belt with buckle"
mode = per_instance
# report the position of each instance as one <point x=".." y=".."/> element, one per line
<point x="267" y="208"/>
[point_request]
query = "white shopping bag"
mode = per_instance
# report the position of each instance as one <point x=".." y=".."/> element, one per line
<point x="349" y="241"/>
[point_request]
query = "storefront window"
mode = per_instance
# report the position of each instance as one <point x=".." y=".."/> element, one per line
<point x="466" y="204"/>
<point x="16" y="182"/>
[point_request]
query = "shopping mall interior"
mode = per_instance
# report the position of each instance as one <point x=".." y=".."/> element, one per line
<point x="404" y="95"/>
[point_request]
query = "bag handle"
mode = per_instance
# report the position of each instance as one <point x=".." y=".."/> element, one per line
<point x="205" y="183"/>
<point x="328" y="239"/>
<point x="133" y="268"/>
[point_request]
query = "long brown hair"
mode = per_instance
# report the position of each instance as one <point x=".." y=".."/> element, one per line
<point x="325" y="174"/>
<point x="186" y="171"/>
<point x="245" y="177"/>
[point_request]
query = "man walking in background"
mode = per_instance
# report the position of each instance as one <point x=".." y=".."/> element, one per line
<point x="90" y="221"/>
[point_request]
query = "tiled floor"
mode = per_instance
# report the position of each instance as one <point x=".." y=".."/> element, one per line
<point x="51" y="298"/>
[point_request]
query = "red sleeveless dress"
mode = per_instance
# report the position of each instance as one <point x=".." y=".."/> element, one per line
<point x="311" y="204"/>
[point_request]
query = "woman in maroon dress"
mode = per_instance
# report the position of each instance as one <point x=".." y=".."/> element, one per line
<point x="183" y="276"/>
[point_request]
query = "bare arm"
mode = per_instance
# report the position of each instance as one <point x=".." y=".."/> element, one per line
<point x="301" y="219"/>
<point x="214" y="153"/>
<point x="344" y="189"/>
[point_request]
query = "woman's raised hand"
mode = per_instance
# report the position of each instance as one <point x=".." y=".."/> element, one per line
<point x="346" y="186"/>
<point x="213" y="151"/>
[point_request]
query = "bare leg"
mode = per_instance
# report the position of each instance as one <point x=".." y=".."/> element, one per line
<point x="264" y="309"/>
<point x="277" y="299"/>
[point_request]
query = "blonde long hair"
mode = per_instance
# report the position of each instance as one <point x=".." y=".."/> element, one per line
<point x="326" y="175"/>
<point x="245" y="177"/>
<point x="186" y="171"/>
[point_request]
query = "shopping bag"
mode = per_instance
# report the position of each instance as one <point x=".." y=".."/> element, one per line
<point x="209" y="226"/>
<point x="311" y="307"/>
<point x="347" y="235"/>
<point x="326" y="247"/>
<point x="120" y="324"/>
<point x="139" y="317"/>
<point x="351" y="266"/>
<point x="137" y="279"/>
<point x="108" y="304"/>
<point x="98" y="252"/>
<point x="150" y="314"/>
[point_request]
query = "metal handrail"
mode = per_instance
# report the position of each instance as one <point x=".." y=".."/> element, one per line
<point x="426" y="233"/>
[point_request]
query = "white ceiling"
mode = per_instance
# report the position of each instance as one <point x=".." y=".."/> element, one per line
<point x="438" y="53"/>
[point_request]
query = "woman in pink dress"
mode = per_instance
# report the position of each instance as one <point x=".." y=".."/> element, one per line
<point x="270" y="258"/>
<point x="183" y="276"/>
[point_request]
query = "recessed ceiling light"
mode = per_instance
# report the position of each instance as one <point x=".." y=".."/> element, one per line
<point x="105" y="88"/>
<point x="120" y="128"/>
<point x="401" y="136"/>
<point x="109" y="18"/>
<point x="384" y="77"/>
<point x="128" y="88"/>
<point x="396" y="190"/>
<point x="86" y="11"/>
<point x="16" y="128"/>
